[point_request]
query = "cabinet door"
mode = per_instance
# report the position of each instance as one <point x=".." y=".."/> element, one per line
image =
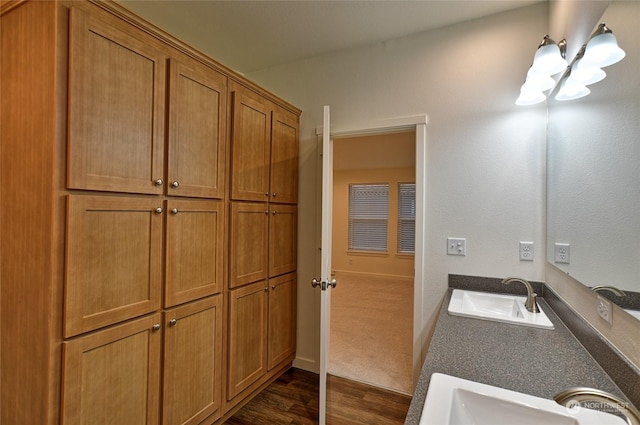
<point x="113" y="376"/>
<point x="250" y="144"/>
<point x="283" y="225"/>
<point x="282" y="319"/>
<point x="197" y="131"/>
<point x="192" y="385"/>
<point x="248" y="243"/>
<point x="247" y="337"/>
<point x="194" y="250"/>
<point x="116" y="107"/>
<point x="113" y="266"/>
<point x="284" y="158"/>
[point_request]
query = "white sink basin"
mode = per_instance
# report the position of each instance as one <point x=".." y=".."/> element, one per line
<point x="497" y="308"/>
<point x="456" y="401"/>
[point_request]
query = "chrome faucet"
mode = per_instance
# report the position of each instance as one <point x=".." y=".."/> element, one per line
<point x="607" y="402"/>
<point x="609" y="288"/>
<point x="531" y="304"/>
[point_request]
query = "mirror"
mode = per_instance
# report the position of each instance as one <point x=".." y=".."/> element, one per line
<point x="593" y="172"/>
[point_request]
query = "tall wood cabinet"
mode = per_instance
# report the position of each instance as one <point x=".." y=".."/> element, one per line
<point x="263" y="248"/>
<point x="127" y="293"/>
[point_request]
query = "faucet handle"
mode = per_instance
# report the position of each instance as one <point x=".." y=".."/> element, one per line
<point x="531" y="303"/>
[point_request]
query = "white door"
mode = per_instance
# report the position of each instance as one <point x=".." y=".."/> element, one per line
<point x="325" y="282"/>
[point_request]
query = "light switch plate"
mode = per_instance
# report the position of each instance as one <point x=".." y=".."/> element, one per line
<point x="456" y="246"/>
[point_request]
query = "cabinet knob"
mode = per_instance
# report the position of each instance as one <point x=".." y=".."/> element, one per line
<point x="175" y="185"/>
<point x="273" y="287"/>
<point x="273" y="212"/>
<point x="158" y="210"/>
<point x="274" y="194"/>
<point x="266" y="289"/>
<point x="267" y="212"/>
<point x="159" y="182"/>
<point x="156" y="327"/>
<point x="266" y="194"/>
<point x="174" y="211"/>
<point x="173" y="322"/>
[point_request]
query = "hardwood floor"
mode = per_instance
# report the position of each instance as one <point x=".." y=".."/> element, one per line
<point x="293" y="399"/>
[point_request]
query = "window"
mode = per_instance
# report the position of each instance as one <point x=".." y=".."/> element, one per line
<point x="368" y="217"/>
<point x="406" y="218"/>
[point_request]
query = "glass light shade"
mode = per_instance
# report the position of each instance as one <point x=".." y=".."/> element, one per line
<point x="602" y="50"/>
<point x="585" y="73"/>
<point x="548" y="61"/>
<point x="536" y="82"/>
<point x="530" y="98"/>
<point x="570" y="90"/>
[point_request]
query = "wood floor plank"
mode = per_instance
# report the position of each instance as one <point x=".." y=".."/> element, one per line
<point x="293" y="400"/>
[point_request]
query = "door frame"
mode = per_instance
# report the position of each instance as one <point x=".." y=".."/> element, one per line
<point x="418" y="123"/>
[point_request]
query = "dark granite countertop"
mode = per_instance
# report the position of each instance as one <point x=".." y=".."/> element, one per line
<point x="539" y="362"/>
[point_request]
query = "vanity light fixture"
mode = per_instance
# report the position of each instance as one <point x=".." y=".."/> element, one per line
<point x="601" y="50"/>
<point x="548" y="60"/>
<point x="586" y="68"/>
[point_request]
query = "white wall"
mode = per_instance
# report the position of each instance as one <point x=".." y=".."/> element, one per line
<point x="486" y="157"/>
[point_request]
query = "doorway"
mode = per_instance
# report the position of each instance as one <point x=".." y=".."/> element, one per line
<point x="371" y="330"/>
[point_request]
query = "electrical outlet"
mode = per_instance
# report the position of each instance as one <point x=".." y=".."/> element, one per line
<point x="526" y="251"/>
<point x="561" y="253"/>
<point x="604" y="309"/>
<point x="456" y="246"/>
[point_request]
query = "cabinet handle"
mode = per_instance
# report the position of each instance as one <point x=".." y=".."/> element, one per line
<point x="175" y="185"/>
<point x="156" y="327"/>
<point x="173" y="322"/>
<point x="174" y="211"/>
<point x="159" y="182"/>
<point x="158" y="210"/>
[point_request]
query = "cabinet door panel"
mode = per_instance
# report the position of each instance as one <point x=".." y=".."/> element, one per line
<point x="194" y="250"/>
<point x="112" y="377"/>
<point x="248" y="253"/>
<point x="283" y="226"/>
<point x="192" y="362"/>
<point x="247" y="337"/>
<point x="116" y="108"/>
<point x="282" y="319"/>
<point x="250" y="144"/>
<point x="197" y="131"/>
<point x="114" y="254"/>
<point x="284" y="158"/>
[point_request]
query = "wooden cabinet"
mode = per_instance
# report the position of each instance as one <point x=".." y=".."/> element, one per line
<point x="284" y="157"/>
<point x="250" y="145"/>
<point x="197" y="131"/>
<point x="192" y="385"/>
<point x="113" y="263"/>
<point x="125" y="298"/>
<point x="116" y="107"/>
<point x="113" y="376"/>
<point x="264" y="149"/>
<point x="283" y="225"/>
<point x="247" y="337"/>
<point x="282" y="319"/>
<point x="262" y="324"/>
<point x="248" y="243"/>
<point x="194" y="260"/>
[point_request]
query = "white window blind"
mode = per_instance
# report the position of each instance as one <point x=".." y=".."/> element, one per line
<point x="406" y="218"/>
<point x="368" y="217"/>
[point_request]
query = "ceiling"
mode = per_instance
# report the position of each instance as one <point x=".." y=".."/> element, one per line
<point x="251" y="35"/>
